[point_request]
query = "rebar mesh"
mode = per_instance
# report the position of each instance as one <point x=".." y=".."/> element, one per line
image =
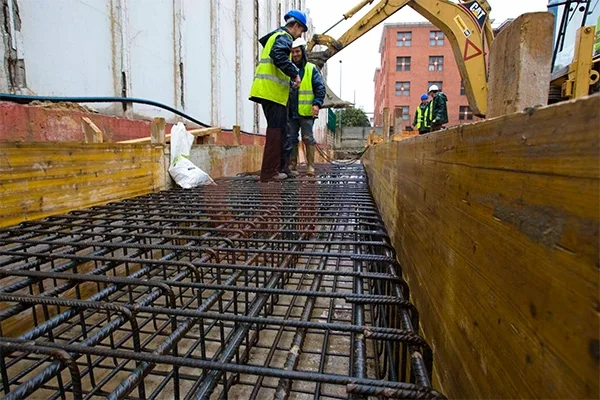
<point x="241" y="290"/>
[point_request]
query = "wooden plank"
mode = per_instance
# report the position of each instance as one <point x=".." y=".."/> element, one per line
<point x="141" y="140"/>
<point x="496" y="225"/>
<point x="92" y="133"/>
<point x="198" y="133"/>
<point x="205" y="131"/>
<point x="41" y="179"/>
<point x="386" y="124"/>
<point x="157" y="131"/>
<point x="237" y="132"/>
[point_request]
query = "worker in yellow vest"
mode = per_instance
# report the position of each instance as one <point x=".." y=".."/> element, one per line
<point x="423" y="116"/>
<point x="271" y="88"/>
<point x="304" y="105"/>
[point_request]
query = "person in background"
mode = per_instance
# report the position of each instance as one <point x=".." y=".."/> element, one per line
<point x="439" y="108"/>
<point x="304" y="105"/>
<point x="423" y="116"/>
<point x="271" y="89"/>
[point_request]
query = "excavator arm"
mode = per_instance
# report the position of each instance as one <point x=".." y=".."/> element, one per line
<point x="466" y="25"/>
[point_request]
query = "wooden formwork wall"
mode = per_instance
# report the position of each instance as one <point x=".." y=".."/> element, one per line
<point x="496" y="225"/>
<point x="41" y="179"/>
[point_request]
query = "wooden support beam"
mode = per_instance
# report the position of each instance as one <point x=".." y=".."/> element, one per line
<point x="237" y="133"/>
<point x="205" y="131"/>
<point x="520" y="65"/>
<point x="198" y="133"/>
<point x="157" y="131"/>
<point x="386" y="124"/>
<point x="91" y="132"/>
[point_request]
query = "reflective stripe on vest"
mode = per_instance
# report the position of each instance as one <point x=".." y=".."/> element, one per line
<point x="306" y="95"/>
<point x="271" y="83"/>
<point x="424" y="119"/>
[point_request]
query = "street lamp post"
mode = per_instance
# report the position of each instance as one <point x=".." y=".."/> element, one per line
<point x="341" y="110"/>
<point x="340" y="79"/>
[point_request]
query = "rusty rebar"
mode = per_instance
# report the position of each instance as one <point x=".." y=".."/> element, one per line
<point x="212" y="292"/>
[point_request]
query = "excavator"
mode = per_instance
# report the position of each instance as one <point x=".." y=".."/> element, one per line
<point x="467" y="26"/>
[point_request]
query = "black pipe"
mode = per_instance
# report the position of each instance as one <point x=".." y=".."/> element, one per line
<point x="22" y="99"/>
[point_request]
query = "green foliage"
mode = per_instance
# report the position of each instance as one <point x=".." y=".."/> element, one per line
<point x="354" y="117"/>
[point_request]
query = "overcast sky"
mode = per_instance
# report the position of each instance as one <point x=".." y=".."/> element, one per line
<point x="360" y="58"/>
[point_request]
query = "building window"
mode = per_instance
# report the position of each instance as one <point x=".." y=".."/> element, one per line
<point x="465" y="113"/>
<point x="402" y="88"/>
<point x="402" y="112"/>
<point x="404" y="39"/>
<point x="397" y="112"/>
<point x="405" y="113"/>
<point x="462" y="89"/>
<point x="439" y="84"/>
<point x="402" y="63"/>
<point x="436" y="38"/>
<point x="436" y="63"/>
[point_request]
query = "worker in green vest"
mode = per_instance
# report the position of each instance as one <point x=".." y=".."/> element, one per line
<point x="271" y="89"/>
<point x="304" y="106"/>
<point x="423" y="116"/>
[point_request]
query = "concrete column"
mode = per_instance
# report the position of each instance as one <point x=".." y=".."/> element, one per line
<point x="520" y="65"/>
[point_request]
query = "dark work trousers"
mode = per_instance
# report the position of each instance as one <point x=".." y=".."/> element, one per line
<point x="277" y="150"/>
<point x="424" y="131"/>
<point x="436" y="127"/>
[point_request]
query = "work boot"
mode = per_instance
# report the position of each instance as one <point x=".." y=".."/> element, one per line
<point x="285" y="167"/>
<point x="279" y="177"/>
<point x="294" y="162"/>
<point x="310" y="159"/>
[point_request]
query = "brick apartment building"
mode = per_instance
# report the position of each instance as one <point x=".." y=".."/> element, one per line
<point x="413" y="57"/>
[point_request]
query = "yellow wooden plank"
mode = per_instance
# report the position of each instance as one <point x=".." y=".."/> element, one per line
<point x="496" y="225"/>
<point x="40" y="179"/>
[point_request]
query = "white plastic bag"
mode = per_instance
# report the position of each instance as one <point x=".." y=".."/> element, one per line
<point x="181" y="169"/>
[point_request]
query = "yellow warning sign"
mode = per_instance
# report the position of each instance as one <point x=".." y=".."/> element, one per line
<point x="462" y="26"/>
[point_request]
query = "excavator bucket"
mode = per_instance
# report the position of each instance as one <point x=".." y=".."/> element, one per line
<point x="333" y="101"/>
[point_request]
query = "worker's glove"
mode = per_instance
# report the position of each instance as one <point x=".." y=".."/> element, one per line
<point x="435" y="121"/>
<point x="315" y="110"/>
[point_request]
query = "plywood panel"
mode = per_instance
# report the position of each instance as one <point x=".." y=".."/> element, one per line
<point x="41" y="179"/>
<point x="496" y="225"/>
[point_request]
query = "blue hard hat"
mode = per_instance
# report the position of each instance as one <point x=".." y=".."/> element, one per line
<point x="296" y="16"/>
<point x="424" y="97"/>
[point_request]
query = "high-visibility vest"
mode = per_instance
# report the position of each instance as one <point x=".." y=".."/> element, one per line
<point x="271" y="83"/>
<point x="424" y="117"/>
<point x="306" y="95"/>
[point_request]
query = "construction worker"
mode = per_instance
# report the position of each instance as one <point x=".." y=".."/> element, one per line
<point x="305" y="103"/>
<point x="271" y="88"/>
<point x="423" y="116"/>
<point x="439" y="109"/>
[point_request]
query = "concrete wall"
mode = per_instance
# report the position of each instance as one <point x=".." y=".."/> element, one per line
<point x="220" y="161"/>
<point x="354" y="137"/>
<point x="195" y="55"/>
<point x="20" y="123"/>
<point x="496" y="225"/>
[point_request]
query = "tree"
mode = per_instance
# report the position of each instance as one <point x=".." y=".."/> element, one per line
<point x="354" y="117"/>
